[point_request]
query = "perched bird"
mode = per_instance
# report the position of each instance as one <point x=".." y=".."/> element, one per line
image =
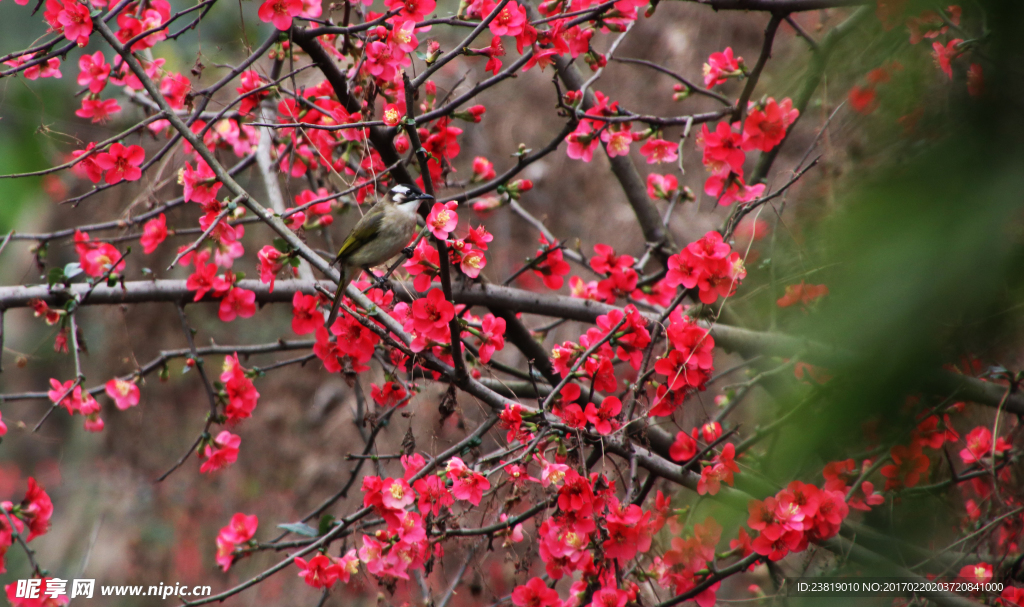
<point x="380" y="235"/>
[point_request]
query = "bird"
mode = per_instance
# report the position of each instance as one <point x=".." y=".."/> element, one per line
<point x="378" y="236"/>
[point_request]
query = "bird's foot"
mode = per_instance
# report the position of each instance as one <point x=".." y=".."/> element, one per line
<point x="407" y="251"/>
<point x="381" y="282"/>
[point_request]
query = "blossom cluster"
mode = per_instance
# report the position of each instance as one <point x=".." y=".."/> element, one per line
<point x="725" y="148"/>
<point x="708" y="265"/>
<point x="238" y="531"/>
<point x="30" y="519"/>
<point x="620" y="334"/>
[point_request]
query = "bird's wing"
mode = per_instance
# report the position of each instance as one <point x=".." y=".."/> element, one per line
<point x="364" y="231"/>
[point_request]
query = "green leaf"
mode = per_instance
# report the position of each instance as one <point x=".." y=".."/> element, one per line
<point x="326" y="522"/>
<point x="72" y="269"/>
<point x="299" y="529"/>
<point x="54" y="276"/>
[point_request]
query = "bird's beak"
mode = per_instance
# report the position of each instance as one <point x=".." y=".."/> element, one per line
<point x="423" y="197"/>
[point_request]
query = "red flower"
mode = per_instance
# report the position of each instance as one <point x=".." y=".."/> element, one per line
<point x="552" y="268"/>
<point x="96" y="258"/>
<point x="722" y="148"/>
<point x="392" y="114"/>
<point x="603" y="418"/>
<point x="241" y="529"/>
<point x="509" y="22"/>
<point x="582" y="142"/>
<point x="659" y="150"/>
<point x="306" y="318"/>
<point x="430" y="315"/>
<point x="423" y="265"/>
<point x="270" y="264"/>
<point x="416" y="10"/>
<point x="280" y="12"/>
<point x="221" y="453"/>
<point x="121" y="163"/>
<point x="204" y="278"/>
<point x="979" y="573"/>
<point x="483" y="170"/>
<point x="979" y="445"/>
<point x="535" y="593"/>
<point x="75" y="22"/>
<point x="618" y="142"/>
<point x="511" y="419"/>
<point x="662" y="186"/>
<point x="466" y="484"/>
<point x="443" y="142"/>
<point x="86" y="167"/>
<point x="943" y="55"/>
<point x="494" y="52"/>
<point x="124" y="393"/>
<point x="728" y="187"/>
<point x="153" y="233"/>
<point x="933" y="433"/>
<point x="354" y="340"/>
<point x="907" y="467"/>
<point x="320" y="571"/>
<point x="492" y="337"/>
<point x="1012" y="596"/>
<point x="763" y="130"/>
<point x="98" y="110"/>
<point x="472" y="263"/>
<point x="175" y="89"/>
<point x="93" y="71"/>
<point x="721" y="66"/>
<point x="839" y="474"/>
<point x="250" y="81"/>
<point x="711" y="478"/>
<point x="391" y="395"/>
<point x="36" y="510"/>
<point x="239" y="389"/>
<point x="708" y="265"/>
<point x="49" y="69"/>
<point x="866" y="497"/>
<point x="396" y="494"/>
<point x="684" y="448"/>
<point x="443" y="219"/>
<point x="711" y="431"/>
<point x="200" y="184"/>
<point x="433" y="495"/>
<point x="862" y="99"/>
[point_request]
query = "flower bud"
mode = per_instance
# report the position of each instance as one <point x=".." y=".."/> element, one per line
<point x="486" y="204"/>
<point x="433" y="52"/>
<point x="681" y="92"/>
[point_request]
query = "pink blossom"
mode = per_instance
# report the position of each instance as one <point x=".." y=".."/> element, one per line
<point x="280" y="12"/>
<point x="443" y="219"/>
<point x="124" y="393"/>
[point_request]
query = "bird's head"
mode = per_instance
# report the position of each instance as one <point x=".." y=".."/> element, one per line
<point x="403" y="194"/>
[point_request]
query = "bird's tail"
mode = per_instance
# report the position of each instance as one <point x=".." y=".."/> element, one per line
<point x="346" y="277"/>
